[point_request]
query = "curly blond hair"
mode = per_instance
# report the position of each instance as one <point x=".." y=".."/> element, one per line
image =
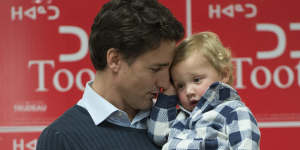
<point x="210" y="45"/>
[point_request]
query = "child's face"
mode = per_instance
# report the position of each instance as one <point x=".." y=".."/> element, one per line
<point x="192" y="77"/>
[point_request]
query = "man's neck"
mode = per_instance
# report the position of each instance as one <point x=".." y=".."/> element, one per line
<point x="104" y="85"/>
<point x="131" y="113"/>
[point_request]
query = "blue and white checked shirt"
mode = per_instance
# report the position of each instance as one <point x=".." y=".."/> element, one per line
<point x="220" y="121"/>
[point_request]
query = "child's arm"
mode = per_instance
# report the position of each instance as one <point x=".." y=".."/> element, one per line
<point x="202" y="134"/>
<point x="225" y="122"/>
<point x="195" y="134"/>
<point x="162" y="116"/>
<point x="243" y="130"/>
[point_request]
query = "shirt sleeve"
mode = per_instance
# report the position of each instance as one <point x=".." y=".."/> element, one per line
<point x="188" y="134"/>
<point x="162" y="116"/>
<point x="243" y="130"/>
<point x="52" y="140"/>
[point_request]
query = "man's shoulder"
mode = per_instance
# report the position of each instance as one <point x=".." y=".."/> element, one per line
<point x="72" y="119"/>
<point x="67" y="130"/>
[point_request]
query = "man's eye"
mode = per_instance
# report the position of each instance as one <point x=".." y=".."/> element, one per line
<point x="179" y="86"/>
<point x="155" y="69"/>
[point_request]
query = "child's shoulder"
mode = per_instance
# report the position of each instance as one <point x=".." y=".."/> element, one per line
<point x="232" y="104"/>
<point x="234" y="109"/>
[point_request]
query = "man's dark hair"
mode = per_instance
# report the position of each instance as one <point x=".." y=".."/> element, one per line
<point x="132" y="27"/>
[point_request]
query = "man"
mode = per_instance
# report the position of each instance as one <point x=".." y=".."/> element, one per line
<point x="131" y="48"/>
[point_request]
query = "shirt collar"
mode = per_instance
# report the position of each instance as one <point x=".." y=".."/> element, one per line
<point x="98" y="107"/>
<point x="216" y="94"/>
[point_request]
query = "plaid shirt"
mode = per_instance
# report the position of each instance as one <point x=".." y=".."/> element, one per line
<point x="219" y="121"/>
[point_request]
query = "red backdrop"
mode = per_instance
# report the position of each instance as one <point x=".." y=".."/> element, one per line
<point x="45" y="62"/>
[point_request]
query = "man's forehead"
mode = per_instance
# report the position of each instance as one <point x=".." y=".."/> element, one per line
<point x="161" y="56"/>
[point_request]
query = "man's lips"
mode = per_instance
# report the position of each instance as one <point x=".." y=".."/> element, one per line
<point x="156" y="92"/>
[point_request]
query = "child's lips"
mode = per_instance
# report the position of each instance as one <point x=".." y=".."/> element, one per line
<point x="193" y="102"/>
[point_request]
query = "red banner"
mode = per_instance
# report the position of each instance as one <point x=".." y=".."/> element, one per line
<point x="45" y="61"/>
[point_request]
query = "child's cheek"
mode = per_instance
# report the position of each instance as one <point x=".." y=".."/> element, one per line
<point x="201" y="91"/>
<point x="181" y="97"/>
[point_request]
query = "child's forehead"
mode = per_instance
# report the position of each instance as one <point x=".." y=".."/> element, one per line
<point x="195" y="55"/>
<point x="193" y="62"/>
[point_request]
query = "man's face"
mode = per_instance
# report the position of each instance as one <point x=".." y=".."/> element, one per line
<point x="140" y="81"/>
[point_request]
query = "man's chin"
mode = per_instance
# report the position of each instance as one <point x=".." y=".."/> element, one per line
<point x="147" y="105"/>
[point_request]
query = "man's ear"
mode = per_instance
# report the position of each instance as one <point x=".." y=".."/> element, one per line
<point x="113" y="58"/>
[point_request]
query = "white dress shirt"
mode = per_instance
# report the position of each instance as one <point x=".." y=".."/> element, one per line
<point x="100" y="109"/>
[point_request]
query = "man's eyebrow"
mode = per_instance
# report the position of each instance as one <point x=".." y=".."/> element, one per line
<point x="161" y="65"/>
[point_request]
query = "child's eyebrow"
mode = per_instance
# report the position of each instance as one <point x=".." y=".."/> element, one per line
<point x="197" y="75"/>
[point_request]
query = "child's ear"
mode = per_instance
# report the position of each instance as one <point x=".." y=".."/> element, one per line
<point x="225" y="75"/>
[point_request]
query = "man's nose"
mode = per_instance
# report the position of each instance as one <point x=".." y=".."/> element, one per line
<point x="163" y="80"/>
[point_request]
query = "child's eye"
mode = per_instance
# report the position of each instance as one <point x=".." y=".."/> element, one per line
<point x="197" y="80"/>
